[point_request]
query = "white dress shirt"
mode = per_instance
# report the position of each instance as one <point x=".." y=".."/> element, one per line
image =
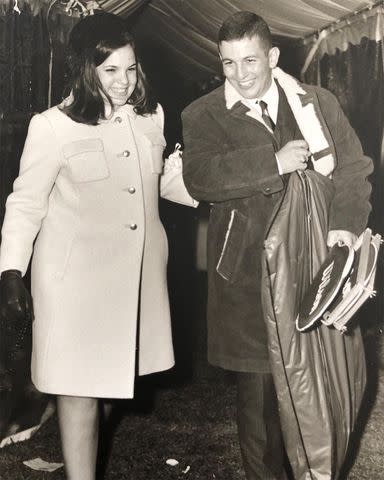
<point x="270" y="97"/>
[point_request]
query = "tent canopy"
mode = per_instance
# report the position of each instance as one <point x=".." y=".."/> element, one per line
<point x="188" y="29"/>
<point x="289" y="18"/>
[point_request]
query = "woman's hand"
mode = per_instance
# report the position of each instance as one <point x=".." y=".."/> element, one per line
<point x="174" y="161"/>
<point x="15" y="300"/>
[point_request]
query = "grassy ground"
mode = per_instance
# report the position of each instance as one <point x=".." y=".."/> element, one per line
<point x="192" y="422"/>
<point x="191" y="418"/>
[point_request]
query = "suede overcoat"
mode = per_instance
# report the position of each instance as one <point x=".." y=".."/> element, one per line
<point x="229" y="161"/>
<point x="90" y="196"/>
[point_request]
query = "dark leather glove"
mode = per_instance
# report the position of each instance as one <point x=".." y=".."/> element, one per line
<point x="16" y="314"/>
<point x="15" y="300"/>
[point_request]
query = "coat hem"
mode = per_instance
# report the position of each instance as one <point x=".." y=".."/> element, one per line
<point x="156" y="370"/>
<point x="71" y="392"/>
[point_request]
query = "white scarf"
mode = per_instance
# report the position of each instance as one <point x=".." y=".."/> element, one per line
<point x="311" y="126"/>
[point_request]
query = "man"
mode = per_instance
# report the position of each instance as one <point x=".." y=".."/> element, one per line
<point x="242" y="142"/>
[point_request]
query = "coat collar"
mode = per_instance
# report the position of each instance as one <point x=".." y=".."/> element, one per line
<point x="232" y="96"/>
<point x="126" y="109"/>
<point x="306" y="109"/>
<point x="239" y="106"/>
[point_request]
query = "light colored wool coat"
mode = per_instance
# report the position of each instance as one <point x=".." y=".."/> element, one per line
<point x="90" y="195"/>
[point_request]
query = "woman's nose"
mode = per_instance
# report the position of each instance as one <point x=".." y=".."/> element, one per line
<point x="123" y="78"/>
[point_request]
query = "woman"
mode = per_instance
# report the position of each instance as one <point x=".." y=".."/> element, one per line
<point x="88" y="190"/>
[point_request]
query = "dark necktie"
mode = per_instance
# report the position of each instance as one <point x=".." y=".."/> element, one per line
<point x="264" y="113"/>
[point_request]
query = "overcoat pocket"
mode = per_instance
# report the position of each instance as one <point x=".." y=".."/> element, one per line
<point x="86" y="160"/>
<point x="230" y="256"/>
<point x="158" y="144"/>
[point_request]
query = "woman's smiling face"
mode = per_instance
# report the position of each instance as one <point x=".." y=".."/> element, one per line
<point x="118" y="75"/>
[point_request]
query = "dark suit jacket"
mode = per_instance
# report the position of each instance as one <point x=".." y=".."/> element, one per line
<point x="229" y="161"/>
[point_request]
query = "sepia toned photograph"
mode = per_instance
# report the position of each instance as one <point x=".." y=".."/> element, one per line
<point x="191" y="259"/>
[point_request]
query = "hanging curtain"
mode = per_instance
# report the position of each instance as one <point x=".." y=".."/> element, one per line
<point x="22" y="91"/>
<point x="22" y="87"/>
<point x="27" y="40"/>
<point x="350" y="63"/>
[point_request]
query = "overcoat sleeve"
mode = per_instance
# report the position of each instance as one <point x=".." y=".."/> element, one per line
<point x="350" y="206"/>
<point x="172" y="185"/>
<point x="27" y="205"/>
<point x="213" y="172"/>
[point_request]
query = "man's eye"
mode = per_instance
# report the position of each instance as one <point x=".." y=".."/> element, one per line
<point x="251" y="60"/>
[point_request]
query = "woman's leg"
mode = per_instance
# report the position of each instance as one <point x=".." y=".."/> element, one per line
<point x="79" y="428"/>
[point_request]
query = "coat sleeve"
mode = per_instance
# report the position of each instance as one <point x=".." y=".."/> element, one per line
<point x="214" y="173"/>
<point x="27" y="205"/>
<point x="172" y="185"/>
<point x="350" y="206"/>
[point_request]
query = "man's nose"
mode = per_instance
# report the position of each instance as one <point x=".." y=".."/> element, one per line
<point x="241" y="72"/>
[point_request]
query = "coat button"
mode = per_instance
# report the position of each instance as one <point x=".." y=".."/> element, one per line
<point x="126" y="153"/>
<point x="118" y="120"/>
<point x="132" y="190"/>
<point x="267" y="190"/>
<point x="133" y="226"/>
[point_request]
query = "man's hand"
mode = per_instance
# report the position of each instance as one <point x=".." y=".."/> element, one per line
<point x="293" y="156"/>
<point x="342" y="236"/>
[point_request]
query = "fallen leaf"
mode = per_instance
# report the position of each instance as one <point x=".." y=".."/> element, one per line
<point x="42" y="465"/>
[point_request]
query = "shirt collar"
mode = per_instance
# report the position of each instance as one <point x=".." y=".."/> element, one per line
<point x="271" y="98"/>
<point x="232" y="96"/>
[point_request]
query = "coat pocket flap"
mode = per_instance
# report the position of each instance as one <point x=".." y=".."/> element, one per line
<point x="83" y="146"/>
<point x="232" y="247"/>
<point x="86" y="160"/>
<point x="156" y="138"/>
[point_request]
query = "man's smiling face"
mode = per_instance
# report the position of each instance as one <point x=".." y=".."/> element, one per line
<point x="248" y="65"/>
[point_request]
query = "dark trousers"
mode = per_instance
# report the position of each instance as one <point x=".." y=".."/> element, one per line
<point x="259" y="427"/>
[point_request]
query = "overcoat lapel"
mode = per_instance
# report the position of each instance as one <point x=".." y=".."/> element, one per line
<point x="244" y="113"/>
<point x="286" y="125"/>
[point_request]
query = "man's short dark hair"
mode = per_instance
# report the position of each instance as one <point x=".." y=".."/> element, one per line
<point x="245" y="24"/>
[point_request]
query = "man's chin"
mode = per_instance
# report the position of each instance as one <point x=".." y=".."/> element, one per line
<point x="248" y="94"/>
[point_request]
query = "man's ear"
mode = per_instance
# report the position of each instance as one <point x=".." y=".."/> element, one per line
<point x="273" y="56"/>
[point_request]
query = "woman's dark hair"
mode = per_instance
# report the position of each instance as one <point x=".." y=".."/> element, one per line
<point x="245" y="24"/>
<point x="91" y="42"/>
